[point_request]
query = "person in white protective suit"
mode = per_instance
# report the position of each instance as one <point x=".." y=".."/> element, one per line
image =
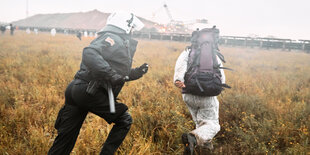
<point x="204" y="110"/>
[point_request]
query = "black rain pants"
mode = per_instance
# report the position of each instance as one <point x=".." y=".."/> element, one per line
<point x="71" y="116"/>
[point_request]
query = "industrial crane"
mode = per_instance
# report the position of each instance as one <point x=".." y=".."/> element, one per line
<point x="168" y="12"/>
<point x="175" y="26"/>
<point x="165" y="6"/>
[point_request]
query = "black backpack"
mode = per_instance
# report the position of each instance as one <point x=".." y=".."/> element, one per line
<point x="203" y="76"/>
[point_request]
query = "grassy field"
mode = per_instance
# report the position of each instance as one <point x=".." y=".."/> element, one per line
<point x="266" y="111"/>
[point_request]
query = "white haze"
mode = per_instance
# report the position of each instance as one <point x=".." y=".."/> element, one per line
<point x="279" y="18"/>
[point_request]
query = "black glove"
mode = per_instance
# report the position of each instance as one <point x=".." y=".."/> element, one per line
<point x="117" y="79"/>
<point x="138" y="72"/>
<point x="144" y="68"/>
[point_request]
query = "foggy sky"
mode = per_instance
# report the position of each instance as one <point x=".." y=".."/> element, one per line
<point x="279" y="18"/>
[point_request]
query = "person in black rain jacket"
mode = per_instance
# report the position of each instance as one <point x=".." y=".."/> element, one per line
<point x="106" y="61"/>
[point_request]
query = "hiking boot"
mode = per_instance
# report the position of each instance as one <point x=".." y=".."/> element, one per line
<point x="208" y="145"/>
<point x="206" y="149"/>
<point x="189" y="142"/>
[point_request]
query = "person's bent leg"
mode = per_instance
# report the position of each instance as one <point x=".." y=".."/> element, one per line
<point x="68" y="123"/>
<point x="99" y="105"/>
<point x="117" y="134"/>
<point x="189" y="140"/>
<point x="208" y="119"/>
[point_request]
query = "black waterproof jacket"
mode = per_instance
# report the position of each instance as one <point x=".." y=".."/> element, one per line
<point x="110" y="53"/>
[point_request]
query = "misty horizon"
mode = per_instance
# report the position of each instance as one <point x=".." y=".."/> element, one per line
<point x="280" y="19"/>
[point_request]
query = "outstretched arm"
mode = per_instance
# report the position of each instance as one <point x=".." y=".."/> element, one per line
<point x="138" y="72"/>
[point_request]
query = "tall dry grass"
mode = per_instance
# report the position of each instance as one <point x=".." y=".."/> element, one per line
<point x="266" y="111"/>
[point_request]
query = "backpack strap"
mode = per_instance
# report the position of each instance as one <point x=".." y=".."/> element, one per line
<point x="220" y="55"/>
<point x="225" y="85"/>
<point x="226" y="68"/>
<point x="189" y="48"/>
<point x="199" y="85"/>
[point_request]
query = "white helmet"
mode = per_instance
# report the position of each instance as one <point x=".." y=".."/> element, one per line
<point x="125" y="21"/>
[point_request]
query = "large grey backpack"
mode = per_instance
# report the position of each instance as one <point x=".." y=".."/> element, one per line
<point x="203" y="76"/>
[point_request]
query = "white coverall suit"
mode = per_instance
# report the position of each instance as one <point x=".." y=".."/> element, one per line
<point x="204" y="110"/>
